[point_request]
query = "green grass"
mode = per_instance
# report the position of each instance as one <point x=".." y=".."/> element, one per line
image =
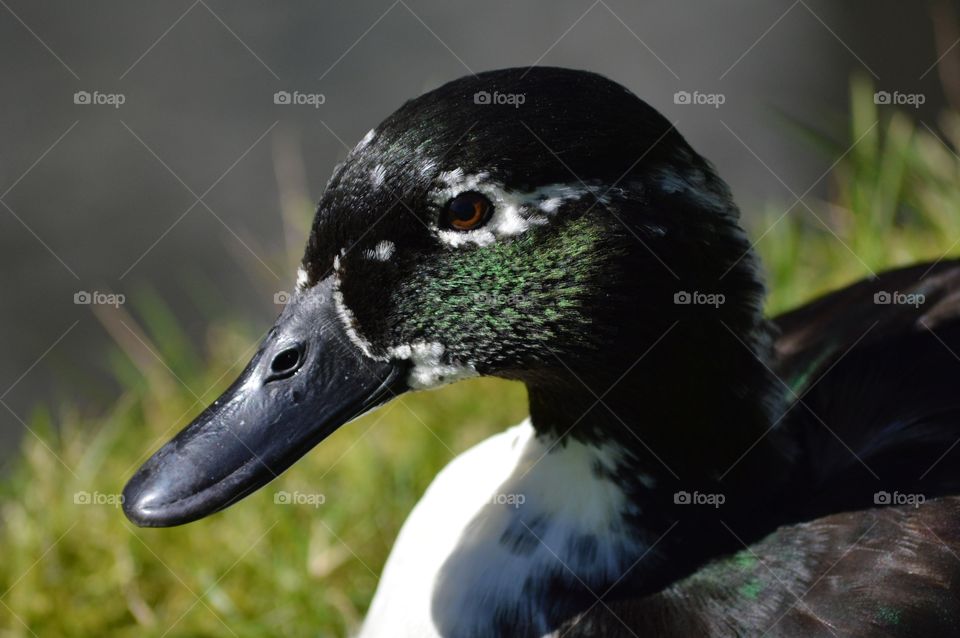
<point x="72" y="569"/>
<point x="893" y="199"/>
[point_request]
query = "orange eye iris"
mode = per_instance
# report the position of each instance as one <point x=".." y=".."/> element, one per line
<point x="467" y="211"/>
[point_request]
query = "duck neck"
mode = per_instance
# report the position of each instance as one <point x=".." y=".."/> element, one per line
<point x="614" y="490"/>
<point x="691" y="449"/>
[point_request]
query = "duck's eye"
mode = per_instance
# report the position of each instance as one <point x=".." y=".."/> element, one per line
<point x="466" y="211"/>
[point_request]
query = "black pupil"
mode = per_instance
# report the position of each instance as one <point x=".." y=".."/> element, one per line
<point x="285" y="360"/>
<point x="465" y="207"/>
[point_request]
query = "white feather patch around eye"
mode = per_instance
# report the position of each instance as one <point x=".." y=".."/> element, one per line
<point x="514" y="212"/>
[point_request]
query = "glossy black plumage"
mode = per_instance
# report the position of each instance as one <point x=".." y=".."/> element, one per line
<point x="878" y="382"/>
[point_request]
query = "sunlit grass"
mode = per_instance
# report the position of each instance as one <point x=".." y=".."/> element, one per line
<point x="893" y="200"/>
<point x="74" y="569"/>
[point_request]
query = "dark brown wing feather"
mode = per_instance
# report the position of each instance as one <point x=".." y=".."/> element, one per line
<point x="882" y="573"/>
<point x="833" y="323"/>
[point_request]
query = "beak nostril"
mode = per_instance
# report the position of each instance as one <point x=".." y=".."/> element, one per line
<point x="285" y="360"/>
<point x="285" y="363"/>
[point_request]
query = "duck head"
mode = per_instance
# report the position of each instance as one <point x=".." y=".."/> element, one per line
<point x="538" y="224"/>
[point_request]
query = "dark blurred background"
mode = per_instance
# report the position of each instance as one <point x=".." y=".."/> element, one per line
<point x="175" y="194"/>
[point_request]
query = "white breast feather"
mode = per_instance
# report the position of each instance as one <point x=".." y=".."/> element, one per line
<point x="449" y="556"/>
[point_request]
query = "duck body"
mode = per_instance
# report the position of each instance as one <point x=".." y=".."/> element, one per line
<point x="887" y="571"/>
<point x="689" y="467"/>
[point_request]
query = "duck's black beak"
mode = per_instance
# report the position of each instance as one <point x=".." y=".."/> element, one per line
<point x="306" y="380"/>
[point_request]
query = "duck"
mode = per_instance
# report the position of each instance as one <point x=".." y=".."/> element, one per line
<point x="689" y="466"/>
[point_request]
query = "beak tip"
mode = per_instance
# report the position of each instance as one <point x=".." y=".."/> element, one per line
<point x="141" y="517"/>
<point x="150" y="500"/>
<point x="137" y="505"/>
<point x="144" y="507"/>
